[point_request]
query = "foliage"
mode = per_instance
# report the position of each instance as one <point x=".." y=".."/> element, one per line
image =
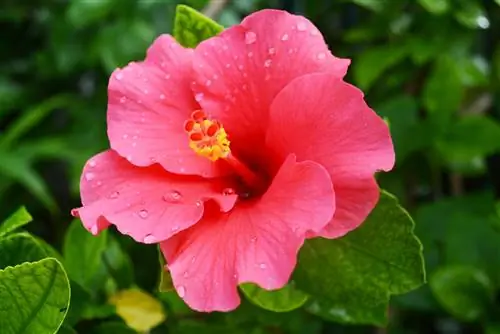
<point x="430" y="67"/>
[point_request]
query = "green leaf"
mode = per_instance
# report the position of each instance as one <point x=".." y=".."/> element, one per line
<point x="435" y="6"/>
<point x="191" y="27"/>
<point x="66" y="330"/>
<point x="31" y="118"/>
<point x="466" y="292"/>
<point x="443" y="91"/>
<point x="166" y="283"/>
<point x="18" y="219"/>
<point x="19" y="248"/>
<point x="375" y="5"/>
<point x="372" y="63"/>
<point x="82" y="253"/>
<point x="352" y="278"/>
<point x="283" y="300"/>
<point x="34" y="297"/>
<point x="472" y="15"/>
<point x="470" y="137"/>
<point x="118" y="264"/>
<point x="112" y="327"/>
<point x="20" y="169"/>
<point x="81" y="13"/>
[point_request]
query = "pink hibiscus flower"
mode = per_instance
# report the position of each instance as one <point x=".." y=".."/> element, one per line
<point x="232" y="154"/>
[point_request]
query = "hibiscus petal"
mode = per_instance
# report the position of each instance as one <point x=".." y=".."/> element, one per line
<point x="319" y="117"/>
<point x="147" y="203"/>
<point x="257" y="241"/>
<point x="240" y="72"/>
<point x="148" y="103"/>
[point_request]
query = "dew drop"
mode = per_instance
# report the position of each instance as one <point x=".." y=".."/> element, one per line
<point x="272" y="51"/>
<point x="167" y="76"/>
<point x="250" y="37"/>
<point x="262" y="265"/>
<point x="240" y="67"/>
<point x="321" y="56"/>
<point x="143" y="214"/>
<point x="125" y="136"/>
<point x="173" y="196"/>
<point x="98" y="183"/>
<point x="215" y="76"/>
<point x="119" y="76"/>
<point x="181" y="291"/>
<point x="228" y="191"/>
<point x="208" y="83"/>
<point x="134" y="144"/>
<point x="186" y="274"/>
<point x="123" y="99"/>
<point x="250" y="54"/>
<point x="193" y="259"/>
<point x="314" y="32"/>
<point x="301" y="26"/>
<point x="114" y="195"/>
<point x="146" y="91"/>
<point x="198" y="97"/>
<point x="89" y="176"/>
<point x="268" y="63"/>
<point x="92" y="163"/>
<point x="129" y="158"/>
<point x="284" y="37"/>
<point x="162" y="96"/>
<point x="175" y="229"/>
<point x="228" y="65"/>
<point x="149" y="239"/>
<point x="198" y="204"/>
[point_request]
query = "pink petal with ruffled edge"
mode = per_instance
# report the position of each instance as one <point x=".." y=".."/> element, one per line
<point x="148" y="103"/>
<point x="147" y="203"/>
<point x="257" y="241"/>
<point x="319" y="117"/>
<point x="240" y="72"/>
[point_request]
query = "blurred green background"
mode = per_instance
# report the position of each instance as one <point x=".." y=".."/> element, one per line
<point x="430" y="67"/>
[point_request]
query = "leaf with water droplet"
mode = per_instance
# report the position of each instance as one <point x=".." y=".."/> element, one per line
<point x="192" y="27"/>
<point x="355" y="275"/>
<point x="285" y="299"/>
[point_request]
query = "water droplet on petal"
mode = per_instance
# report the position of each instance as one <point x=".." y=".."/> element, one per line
<point x="314" y="32"/>
<point x="123" y="99"/>
<point x="119" y="76"/>
<point x="301" y="26"/>
<point x="173" y="196"/>
<point x="125" y="136"/>
<point x="193" y="259"/>
<point x="284" y="37"/>
<point x="262" y="265"/>
<point x="250" y="54"/>
<point x="89" y="176"/>
<point x="143" y="214"/>
<point x="254" y="239"/>
<point x="198" y="203"/>
<point x="134" y="144"/>
<point x="186" y="274"/>
<point x="268" y="63"/>
<point x="198" y="97"/>
<point x="208" y="83"/>
<point x="146" y="91"/>
<point x="92" y="163"/>
<point x="175" y="229"/>
<point x="250" y="37"/>
<point x="181" y="291"/>
<point x="228" y="65"/>
<point x="272" y="51"/>
<point x="149" y="239"/>
<point x="321" y="56"/>
<point x="98" y="183"/>
<point x="162" y="96"/>
<point x="114" y="195"/>
<point x="94" y="229"/>
<point x="228" y="191"/>
<point x="167" y="76"/>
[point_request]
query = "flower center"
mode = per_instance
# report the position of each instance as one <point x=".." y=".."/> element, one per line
<point x="209" y="139"/>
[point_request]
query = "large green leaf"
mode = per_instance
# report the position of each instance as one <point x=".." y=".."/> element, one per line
<point x="34" y="297"/>
<point x="352" y="278"/>
<point x="283" y="300"/>
<point x="464" y="291"/>
<point x="82" y="253"/>
<point x="470" y="137"/>
<point x="372" y="63"/>
<point x="443" y="91"/>
<point x="435" y="6"/>
<point x="191" y="27"/>
<point x="18" y="219"/>
<point x="19" y="248"/>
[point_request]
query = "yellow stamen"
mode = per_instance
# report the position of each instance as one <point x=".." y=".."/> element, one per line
<point x="207" y="137"/>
